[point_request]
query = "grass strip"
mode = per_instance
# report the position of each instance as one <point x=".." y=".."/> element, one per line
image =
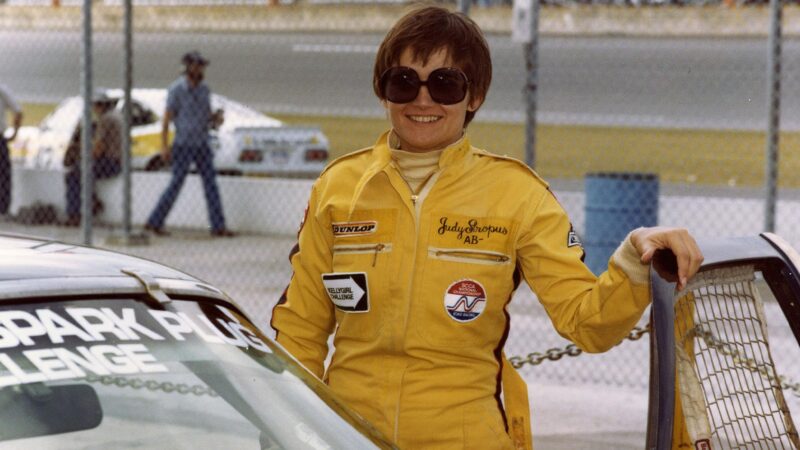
<point x="701" y="157"/>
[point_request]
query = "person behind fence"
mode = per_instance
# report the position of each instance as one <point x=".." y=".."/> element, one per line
<point x="7" y="101"/>
<point x="189" y="107"/>
<point x="411" y="250"/>
<point x="106" y="152"/>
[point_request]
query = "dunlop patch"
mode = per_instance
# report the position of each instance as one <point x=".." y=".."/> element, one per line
<point x="345" y="229"/>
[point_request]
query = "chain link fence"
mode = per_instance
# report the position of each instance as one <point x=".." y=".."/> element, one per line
<point x="675" y="89"/>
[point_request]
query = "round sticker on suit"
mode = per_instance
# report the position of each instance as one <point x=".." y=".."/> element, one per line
<point x="465" y="300"/>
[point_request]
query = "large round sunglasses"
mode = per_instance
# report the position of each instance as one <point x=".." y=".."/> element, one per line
<point x="446" y="86"/>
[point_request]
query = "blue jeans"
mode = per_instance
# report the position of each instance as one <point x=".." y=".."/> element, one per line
<point x="182" y="158"/>
<point x="5" y="176"/>
<point x="103" y="167"/>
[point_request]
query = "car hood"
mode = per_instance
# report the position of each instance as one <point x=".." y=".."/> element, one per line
<point x="22" y="259"/>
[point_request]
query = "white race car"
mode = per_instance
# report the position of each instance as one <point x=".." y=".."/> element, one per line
<point x="248" y="142"/>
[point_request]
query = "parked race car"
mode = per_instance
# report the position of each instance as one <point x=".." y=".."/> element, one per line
<point x="104" y="350"/>
<point x="248" y="142"/>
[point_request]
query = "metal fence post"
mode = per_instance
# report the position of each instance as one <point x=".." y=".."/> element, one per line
<point x="463" y="6"/>
<point x="774" y="112"/>
<point x="126" y="129"/>
<point x="86" y="132"/>
<point x="532" y="84"/>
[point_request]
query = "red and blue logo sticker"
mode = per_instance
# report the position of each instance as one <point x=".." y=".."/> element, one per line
<point x="465" y="300"/>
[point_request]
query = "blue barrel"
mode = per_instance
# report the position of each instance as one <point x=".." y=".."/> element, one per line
<point x="616" y="203"/>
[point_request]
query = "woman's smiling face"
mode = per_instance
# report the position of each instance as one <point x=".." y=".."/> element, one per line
<point x="423" y="125"/>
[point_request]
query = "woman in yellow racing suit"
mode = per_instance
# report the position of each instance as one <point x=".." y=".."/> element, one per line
<point x="411" y="250"/>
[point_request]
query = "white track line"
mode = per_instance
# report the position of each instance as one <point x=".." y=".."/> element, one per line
<point x="334" y="48"/>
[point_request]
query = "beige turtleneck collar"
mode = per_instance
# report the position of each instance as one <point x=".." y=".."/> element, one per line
<point x="415" y="168"/>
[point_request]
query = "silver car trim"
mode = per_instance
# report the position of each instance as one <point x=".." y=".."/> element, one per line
<point x="102" y="285"/>
<point x="64" y="286"/>
<point x="150" y="284"/>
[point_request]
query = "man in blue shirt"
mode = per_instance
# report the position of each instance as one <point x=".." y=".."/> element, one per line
<point x="189" y="107"/>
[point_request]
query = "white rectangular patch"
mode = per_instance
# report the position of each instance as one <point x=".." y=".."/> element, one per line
<point x="348" y="291"/>
<point x="345" y="229"/>
<point x="573" y="239"/>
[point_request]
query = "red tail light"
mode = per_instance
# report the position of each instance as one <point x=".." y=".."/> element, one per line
<point x="251" y="155"/>
<point x="316" y="154"/>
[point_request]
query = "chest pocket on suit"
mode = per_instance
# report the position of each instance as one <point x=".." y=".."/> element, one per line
<point x="362" y="244"/>
<point x="361" y="239"/>
<point x="467" y="279"/>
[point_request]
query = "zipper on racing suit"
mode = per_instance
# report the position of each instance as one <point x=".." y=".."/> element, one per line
<point x="364" y="248"/>
<point x="469" y="256"/>
<point x="417" y="199"/>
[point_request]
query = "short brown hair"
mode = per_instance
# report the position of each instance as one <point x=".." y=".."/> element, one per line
<point x="425" y="30"/>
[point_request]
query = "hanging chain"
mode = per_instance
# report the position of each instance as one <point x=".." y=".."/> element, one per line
<point x="766" y="371"/>
<point x="554" y="354"/>
<point x="151" y="385"/>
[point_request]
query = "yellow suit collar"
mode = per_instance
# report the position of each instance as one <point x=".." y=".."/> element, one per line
<point x="454" y="156"/>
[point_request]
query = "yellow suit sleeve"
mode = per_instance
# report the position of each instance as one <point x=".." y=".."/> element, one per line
<point x="304" y="317"/>
<point x="595" y="313"/>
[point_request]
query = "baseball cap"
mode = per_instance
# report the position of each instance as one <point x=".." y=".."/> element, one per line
<point x="194" y="57"/>
<point x="100" y="96"/>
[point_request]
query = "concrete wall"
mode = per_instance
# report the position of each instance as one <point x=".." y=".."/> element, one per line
<point x="251" y="205"/>
<point x="276" y="206"/>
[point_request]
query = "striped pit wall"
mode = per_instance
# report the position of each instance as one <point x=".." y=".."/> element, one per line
<point x="711" y="20"/>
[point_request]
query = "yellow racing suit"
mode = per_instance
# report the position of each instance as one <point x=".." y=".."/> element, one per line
<point x="416" y="288"/>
